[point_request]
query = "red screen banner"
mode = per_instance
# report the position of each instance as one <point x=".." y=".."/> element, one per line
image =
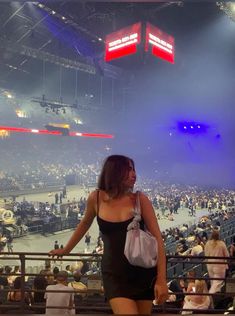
<point x="162" y="45"/>
<point x="123" y="42"/>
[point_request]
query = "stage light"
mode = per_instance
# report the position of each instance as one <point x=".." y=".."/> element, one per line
<point x="34" y="130"/>
<point x="63" y="18"/>
<point x="53" y="12"/>
<point x="9" y="96"/>
<point x="100" y="39"/>
<point x="40" y="5"/>
<point x="191" y="127"/>
<point x="78" y="134"/>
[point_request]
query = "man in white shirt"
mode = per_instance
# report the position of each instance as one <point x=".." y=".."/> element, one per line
<point x="65" y="298"/>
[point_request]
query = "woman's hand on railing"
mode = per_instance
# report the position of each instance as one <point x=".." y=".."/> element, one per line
<point x="58" y="252"/>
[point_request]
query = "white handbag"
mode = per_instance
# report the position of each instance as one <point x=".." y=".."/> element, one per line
<point x="140" y="246"/>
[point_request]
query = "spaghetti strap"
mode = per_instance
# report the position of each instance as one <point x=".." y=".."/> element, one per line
<point x="97" y="202"/>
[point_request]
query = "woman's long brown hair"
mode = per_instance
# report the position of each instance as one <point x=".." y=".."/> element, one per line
<point x="114" y="172"/>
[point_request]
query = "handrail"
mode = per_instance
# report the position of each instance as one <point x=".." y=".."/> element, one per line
<point x="172" y="262"/>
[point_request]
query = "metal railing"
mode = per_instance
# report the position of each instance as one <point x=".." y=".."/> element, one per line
<point x="94" y="300"/>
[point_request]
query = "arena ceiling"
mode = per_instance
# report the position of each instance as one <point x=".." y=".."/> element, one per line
<point x="37" y="41"/>
<point x="77" y="31"/>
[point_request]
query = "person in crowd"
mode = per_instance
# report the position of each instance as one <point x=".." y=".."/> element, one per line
<point x="61" y="197"/>
<point x="85" y="267"/>
<point x="16" y="294"/>
<point x="196" y="249"/>
<point x="199" y="240"/>
<point x="181" y="247"/>
<point x="129" y="289"/>
<point x="2" y="242"/>
<point x="68" y="270"/>
<point x="197" y="301"/>
<point x="77" y="285"/>
<point x="39" y="285"/>
<point x="191" y="281"/>
<point x="216" y="248"/>
<point x="56" y="198"/>
<point x="61" y="247"/>
<point x="176" y="290"/>
<point x="99" y="247"/>
<point x="3" y="278"/>
<point x="9" y="243"/>
<point x="88" y="240"/>
<point x="15" y="272"/>
<point x="8" y="272"/>
<point x="62" y="297"/>
<point x="38" y="293"/>
<point x="64" y="191"/>
<point x="232" y="248"/>
<point x="56" y="270"/>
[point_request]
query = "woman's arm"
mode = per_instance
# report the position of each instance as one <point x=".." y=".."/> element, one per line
<point x="82" y="227"/>
<point x="231" y="250"/>
<point x="148" y="214"/>
<point x="225" y="250"/>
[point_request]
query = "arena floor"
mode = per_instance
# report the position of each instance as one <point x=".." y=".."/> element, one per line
<point x="39" y="243"/>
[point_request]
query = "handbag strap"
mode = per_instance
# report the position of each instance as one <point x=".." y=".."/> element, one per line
<point x="137" y="210"/>
<point x="134" y="224"/>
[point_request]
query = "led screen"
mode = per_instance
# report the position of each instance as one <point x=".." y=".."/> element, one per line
<point x="160" y="43"/>
<point x="123" y="42"/>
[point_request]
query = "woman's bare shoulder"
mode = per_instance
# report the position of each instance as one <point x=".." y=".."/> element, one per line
<point x="93" y="195"/>
<point x="144" y="197"/>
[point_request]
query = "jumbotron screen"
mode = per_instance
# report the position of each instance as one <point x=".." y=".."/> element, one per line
<point x="162" y="45"/>
<point x="123" y="42"/>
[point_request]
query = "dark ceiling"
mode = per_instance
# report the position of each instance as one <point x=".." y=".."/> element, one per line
<point x="36" y="45"/>
<point x="77" y="37"/>
<point x="76" y="31"/>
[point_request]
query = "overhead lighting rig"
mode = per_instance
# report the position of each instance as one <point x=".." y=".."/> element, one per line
<point x="42" y="55"/>
<point x="52" y="105"/>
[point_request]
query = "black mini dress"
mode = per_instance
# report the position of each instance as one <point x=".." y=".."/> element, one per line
<point x="120" y="278"/>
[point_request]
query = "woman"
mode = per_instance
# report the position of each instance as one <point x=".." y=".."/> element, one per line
<point x="16" y="295"/>
<point x="216" y="248"/>
<point x="129" y="289"/>
<point x="197" y="301"/>
<point x="199" y="240"/>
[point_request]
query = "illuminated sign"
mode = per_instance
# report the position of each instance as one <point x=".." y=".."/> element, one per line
<point x="162" y="44"/>
<point x="123" y="42"/>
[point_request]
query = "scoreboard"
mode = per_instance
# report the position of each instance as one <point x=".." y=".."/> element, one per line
<point x="161" y="44"/>
<point x="123" y="42"/>
<point x="128" y="40"/>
